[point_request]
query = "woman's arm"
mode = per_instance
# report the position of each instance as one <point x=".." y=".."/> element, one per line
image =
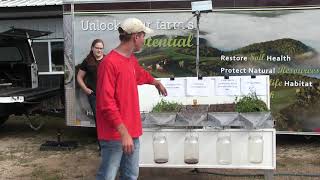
<point x="80" y="79"/>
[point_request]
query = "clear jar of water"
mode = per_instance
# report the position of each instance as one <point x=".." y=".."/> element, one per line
<point x="191" y="148"/>
<point x="255" y="148"/>
<point x="224" y="149"/>
<point x="160" y="148"/>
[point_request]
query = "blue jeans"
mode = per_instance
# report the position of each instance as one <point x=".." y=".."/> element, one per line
<point x="113" y="158"/>
<point x="92" y="102"/>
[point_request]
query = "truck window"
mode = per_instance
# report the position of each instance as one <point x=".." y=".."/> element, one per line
<point x="40" y="50"/>
<point x="57" y="56"/>
<point x="10" y="54"/>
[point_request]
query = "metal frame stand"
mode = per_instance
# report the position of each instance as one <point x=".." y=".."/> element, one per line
<point x="198" y="14"/>
<point x="58" y="145"/>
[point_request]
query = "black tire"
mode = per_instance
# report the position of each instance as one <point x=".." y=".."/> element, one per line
<point x="3" y="119"/>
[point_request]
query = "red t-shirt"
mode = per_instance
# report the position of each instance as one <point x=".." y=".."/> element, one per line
<point x="117" y="95"/>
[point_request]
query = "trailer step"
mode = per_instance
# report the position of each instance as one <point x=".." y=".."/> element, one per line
<point x="58" y="145"/>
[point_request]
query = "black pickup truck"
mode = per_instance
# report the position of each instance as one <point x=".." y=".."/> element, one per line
<point x="20" y="92"/>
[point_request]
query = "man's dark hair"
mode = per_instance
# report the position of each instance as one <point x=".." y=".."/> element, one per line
<point x="124" y="36"/>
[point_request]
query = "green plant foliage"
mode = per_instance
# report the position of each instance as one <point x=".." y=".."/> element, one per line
<point x="250" y="103"/>
<point x="166" y="106"/>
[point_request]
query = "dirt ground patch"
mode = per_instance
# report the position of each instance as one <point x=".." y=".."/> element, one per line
<point x="21" y="159"/>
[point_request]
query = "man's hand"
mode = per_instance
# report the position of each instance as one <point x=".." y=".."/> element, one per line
<point x="127" y="144"/>
<point x="126" y="139"/>
<point x="162" y="90"/>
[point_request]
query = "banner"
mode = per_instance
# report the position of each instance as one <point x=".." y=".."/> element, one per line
<point x="284" y="44"/>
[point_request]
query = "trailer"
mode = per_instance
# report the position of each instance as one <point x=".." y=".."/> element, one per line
<point x="236" y="39"/>
<point x="237" y="48"/>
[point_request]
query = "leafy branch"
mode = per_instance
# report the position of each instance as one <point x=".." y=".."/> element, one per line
<point x="166" y="106"/>
<point x="250" y="103"/>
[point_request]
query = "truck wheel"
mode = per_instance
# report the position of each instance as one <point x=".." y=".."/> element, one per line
<point x="3" y="119"/>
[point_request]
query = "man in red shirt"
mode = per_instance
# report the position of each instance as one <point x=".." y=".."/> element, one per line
<point x="118" y="117"/>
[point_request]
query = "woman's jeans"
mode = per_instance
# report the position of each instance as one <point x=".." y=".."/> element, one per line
<point x="92" y="102"/>
<point x="113" y="158"/>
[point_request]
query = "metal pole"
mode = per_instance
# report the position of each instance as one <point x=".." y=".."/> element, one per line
<point x="198" y="33"/>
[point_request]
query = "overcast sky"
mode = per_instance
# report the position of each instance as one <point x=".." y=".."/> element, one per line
<point x="231" y="31"/>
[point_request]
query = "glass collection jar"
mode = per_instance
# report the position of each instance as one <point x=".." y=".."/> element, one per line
<point x="255" y="148"/>
<point x="224" y="149"/>
<point x="191" y="148"/>
<point x="160" y="148"/>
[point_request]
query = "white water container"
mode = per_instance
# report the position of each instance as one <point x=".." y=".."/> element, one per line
<point x="255" y="148"/>
<point x="191" y="148"/>
<point x="160" y="148"/>
<point x="224" y="149"/>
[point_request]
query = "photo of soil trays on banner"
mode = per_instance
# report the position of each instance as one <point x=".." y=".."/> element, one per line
<point x="284" y="44"/>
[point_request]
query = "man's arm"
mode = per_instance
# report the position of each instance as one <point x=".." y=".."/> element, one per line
<point x="126" y="139"/>
<point x="144" y="77"/>
<point x="162" y="90"/>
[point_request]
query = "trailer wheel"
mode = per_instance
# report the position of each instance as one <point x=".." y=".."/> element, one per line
<point x="3" y="119"/>
<point x="35" y="122"/>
